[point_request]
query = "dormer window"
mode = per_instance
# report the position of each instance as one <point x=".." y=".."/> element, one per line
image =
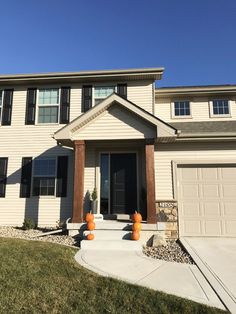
<point x="102" y="92"/>
<point x="220" y="107"/>
<point x="181" y="109"/>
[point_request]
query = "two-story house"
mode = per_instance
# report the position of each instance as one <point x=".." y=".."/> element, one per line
<point x="167" y="152"/>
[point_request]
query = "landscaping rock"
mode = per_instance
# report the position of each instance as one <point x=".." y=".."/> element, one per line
<point x="171" y="252"/>
<point x="32" y="234"/>
<point x="158" y="240"/>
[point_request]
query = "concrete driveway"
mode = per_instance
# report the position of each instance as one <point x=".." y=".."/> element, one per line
<point x="216" y="258"/>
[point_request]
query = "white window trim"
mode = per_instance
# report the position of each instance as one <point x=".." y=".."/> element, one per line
<point x="37" y="176"/>
<point x="101" y="85"/>
<point x="212" y="115"/>
<point x="1" y="106"/>
<point x="47" y="105"/>
<point x="173" y="116"/>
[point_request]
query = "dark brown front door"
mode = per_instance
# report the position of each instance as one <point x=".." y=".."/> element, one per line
<point x="123" y="183"/>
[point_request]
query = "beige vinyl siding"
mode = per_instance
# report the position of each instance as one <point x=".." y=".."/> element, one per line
<point x="20" y="140"/>
<point x="200" y="110"/>
<point x="141" y="93"/>
<point x="116" y="123"/>
<point x="197" y="152"/>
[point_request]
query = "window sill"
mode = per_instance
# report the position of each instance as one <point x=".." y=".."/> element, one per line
<point x="182" y="117"/>
<point x="220" y="116"/>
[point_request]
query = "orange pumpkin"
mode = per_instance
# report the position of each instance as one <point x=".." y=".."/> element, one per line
<point x="136" y="217"/>
<point x="89" y="217"/>
<point x="135" y="235"/>
<point x="137" y="226"/>
<point x="91" y="225"/>
<point x="90" y="236"/>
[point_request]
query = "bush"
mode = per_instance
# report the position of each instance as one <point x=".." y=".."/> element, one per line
<point x="28" y="224"/>
<point x="94" y="195"/>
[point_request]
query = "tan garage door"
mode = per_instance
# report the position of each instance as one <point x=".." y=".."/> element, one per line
<point x="207" y="200"/>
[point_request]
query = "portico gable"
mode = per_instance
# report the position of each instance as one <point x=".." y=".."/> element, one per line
<point x="115" y="119"/>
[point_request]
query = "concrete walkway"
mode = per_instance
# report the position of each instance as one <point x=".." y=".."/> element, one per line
<point x="216" y="258"/>
<point x="134" y="267"/>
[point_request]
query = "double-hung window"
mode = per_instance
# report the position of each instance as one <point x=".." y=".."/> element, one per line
<point x="181" y="109"/>
<point x="1" y="101"/>
<point x="102" y="92"/>
<point x="48" y="105"/>
<point x="44" y="176"/>
<point x="220" y="107"/>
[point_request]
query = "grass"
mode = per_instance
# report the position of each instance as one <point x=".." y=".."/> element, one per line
<point x="39" y="277"/>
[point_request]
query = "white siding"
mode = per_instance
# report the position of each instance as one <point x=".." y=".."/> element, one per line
<point x="141" y="93"/>
<point x="116" y="123"/>
<point x="200" y="110"/>
<point x="165" y="154"/>
<point x="20" y="140"/>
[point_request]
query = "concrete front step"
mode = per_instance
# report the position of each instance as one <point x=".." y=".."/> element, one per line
<point x="122" y="245"/>
<point x="109" y="234"/>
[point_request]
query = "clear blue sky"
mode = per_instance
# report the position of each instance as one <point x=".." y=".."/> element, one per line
<point x="195" y="40"/>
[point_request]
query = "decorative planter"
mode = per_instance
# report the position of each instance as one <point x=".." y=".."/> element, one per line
<point x="94" y="205"/>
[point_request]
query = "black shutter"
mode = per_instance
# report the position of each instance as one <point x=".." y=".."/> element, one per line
<point x="26" y="171"/>
<point x="3" y="176"/>
<point x="7" y="107"/>
<point x="62" y="169"/>
<point x="122" y="90"/>
<point x="30" y="106"/>
<point x="87" y="98"/>
<point x="65" y="105"/>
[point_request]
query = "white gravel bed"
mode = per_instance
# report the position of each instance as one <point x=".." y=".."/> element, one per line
<point x="19" y="233"/>
<point x="172" y="252"/>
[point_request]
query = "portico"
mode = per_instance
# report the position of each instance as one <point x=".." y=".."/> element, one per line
<point x="114" y="144"/>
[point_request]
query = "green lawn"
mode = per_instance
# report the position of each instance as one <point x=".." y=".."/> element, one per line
<point x="39" y="277"/>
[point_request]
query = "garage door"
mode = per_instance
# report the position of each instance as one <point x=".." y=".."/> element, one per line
<point x="207" y="200"/>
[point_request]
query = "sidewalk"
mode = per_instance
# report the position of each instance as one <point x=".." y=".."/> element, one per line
<point x="183" y="280"/>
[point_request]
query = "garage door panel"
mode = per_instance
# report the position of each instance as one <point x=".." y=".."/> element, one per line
<point x="190" y="191"/>
<point x="190" y="175"/>
<point x="207" y="200"/>
<point x="210" y="190"/>
<point x="229" y="208"/>
<point x="230" y="227"/>
<point x="229" y="190"/>
<point x="191" y="209"/>
<point x="209" y="173"/>
<point x="228" y="173"/>
<point x="191" y="227"/>
<point x="212" y="227"/>
<point x="211" y="209"/>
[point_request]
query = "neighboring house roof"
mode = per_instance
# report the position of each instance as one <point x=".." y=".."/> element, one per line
<point x="205" y="128"/>
<point x="85" y="76"/>
<point x="196" y="90"/>
<point x="163" y="129"/>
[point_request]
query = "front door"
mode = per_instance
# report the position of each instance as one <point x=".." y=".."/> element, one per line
<point x="120" y="184"/>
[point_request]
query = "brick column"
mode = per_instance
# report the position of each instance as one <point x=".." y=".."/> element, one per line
<point x="78" y="198"/>
<point x="150" y="181"/>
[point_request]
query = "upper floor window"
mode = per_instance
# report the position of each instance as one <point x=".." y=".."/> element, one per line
<point x="220" y="107"/>
<point x="181" y="109"/>
<point x="102" y="92"/>
<point x="48" y="105"/>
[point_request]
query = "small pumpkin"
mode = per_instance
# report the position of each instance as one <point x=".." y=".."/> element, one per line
<point x="90" y="236"/>
<point x="136" y="217"/>
<point x="91" y="225"/>
<point x="137" y="226"/>
<point x="135" y="235"/>
<point x="89" y="217"/>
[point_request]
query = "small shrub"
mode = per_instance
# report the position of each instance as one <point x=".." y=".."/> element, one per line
<point x="28" y="224"/>
<point x="94" y="195"/>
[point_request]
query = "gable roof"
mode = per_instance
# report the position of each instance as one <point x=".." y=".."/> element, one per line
<point x="163" y="129"/>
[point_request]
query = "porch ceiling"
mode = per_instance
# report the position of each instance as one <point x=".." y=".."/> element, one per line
<point x="115" y="118"/>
